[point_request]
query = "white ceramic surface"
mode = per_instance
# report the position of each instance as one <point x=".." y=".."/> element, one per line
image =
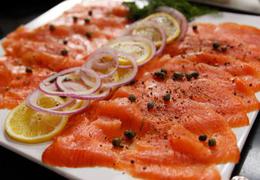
<point x="33" y="152"/>
<point x="243" y="5"/>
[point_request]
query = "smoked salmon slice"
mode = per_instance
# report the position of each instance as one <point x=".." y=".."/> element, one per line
<point x="243" y="70"/>
<point x="200" y="90"/>
<point x="180" y="123"/>
<point x="86" y="146"/>
<point x="238" y="41"/>
<point x="18" y="80"/>
<point x="85" y="140"/>
<point x="67" y="41"/>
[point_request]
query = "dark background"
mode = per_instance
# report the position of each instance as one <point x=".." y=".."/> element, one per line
<point x="15" y="13"/>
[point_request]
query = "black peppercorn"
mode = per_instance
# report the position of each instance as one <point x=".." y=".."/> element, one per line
<point x="212" y="142"/>
<point x="88" y="35"/>
<point x="117" y="142"/>
<point x="215" y="45"/>
<point x="177" y="76"/>
<point x="75" y="19"/>
<point x="52" y="27"/>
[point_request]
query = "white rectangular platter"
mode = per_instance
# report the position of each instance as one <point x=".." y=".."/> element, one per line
<point x="243" y="5"/>
<point x="34" y="152"/>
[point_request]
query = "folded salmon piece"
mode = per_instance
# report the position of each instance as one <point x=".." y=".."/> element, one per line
<point x="18" y="80"/>
<point x="246" y="72"/>
<point x="67" y="41"/>
<point x="238" y="41"/>
<point x="233" y="80"/>
<point x="158" y="145"/>
<point x="218" y="94"/>
<point x="223" y="79"/>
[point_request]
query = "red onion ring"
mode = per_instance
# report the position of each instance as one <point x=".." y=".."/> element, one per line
<point x="46" y="84"/>
<point x="31" y="101"/>
<point x="50" y="82"/>
<point x="70" y="85"/>
<point x="150" y="24"/>
<point x="134" y="71"/>
<point x="180" y="18"/>
<point x="92" y="62"/>
<point x="95" y="96"/>
<point x="74" y="86"/>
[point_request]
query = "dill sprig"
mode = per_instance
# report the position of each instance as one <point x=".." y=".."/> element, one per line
<point x="188" y="9"/>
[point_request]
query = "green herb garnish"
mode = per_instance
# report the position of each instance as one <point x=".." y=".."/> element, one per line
<point x="203" y="137"/>
<point x="177" y="76"/>
<point x="193" y="74"/>
<point x="160" y="74"/>
<point x="150" y="105"/>
<point x="212" y="142"/>
<point x="129" y="134"/>
<point x="132" y="98"/>
<point x="64" y="52"/>
<point x="188" y="9"/>
<point x="117" y="142"/>
<point x="167" y="97"/>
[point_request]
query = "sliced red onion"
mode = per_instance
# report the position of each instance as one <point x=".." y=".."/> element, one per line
<point x="48" y="85"/>
<point x="85" y="73"/>
<point x="99" y="94"/>
<point x="31" y="101"/>
<point x="180" y="18"/>
<point x="133" y="69"/>
<point x="143" y="40"/>
<point x="72" y="88"/>
<point x="93" y="62"/>
<point x="149" y="24"/>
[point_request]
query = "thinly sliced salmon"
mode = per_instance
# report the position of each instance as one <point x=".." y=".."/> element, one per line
<point x="201" y="90"/>
<point x="191" y="172"/>
<point x="212" y="71"/>
<point x="167" y="144"/>
<point x="87" y="145"/>
<point x="232" y="39"/>
<point x="243" y="70"/>
<point x="18" y="81"/>
<point x="89" y="138"/>
<point x="67" y="41"/>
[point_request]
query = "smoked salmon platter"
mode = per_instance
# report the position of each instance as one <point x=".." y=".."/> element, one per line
<point x="131" y="90"/>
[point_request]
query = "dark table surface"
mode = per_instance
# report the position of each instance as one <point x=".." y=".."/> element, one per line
<point x="13" y="166"/>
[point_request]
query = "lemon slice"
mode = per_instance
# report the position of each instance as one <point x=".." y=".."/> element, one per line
<point x="140" y="48"/>
<point x="148" y="31"/>
<point x="169" y="24"/>
<point x="26" y="125"/>
<point x="49" y="101"/>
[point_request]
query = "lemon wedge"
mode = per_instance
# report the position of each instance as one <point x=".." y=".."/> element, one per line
<point x="26" y="125"/>
<point x="169" y="24"/>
